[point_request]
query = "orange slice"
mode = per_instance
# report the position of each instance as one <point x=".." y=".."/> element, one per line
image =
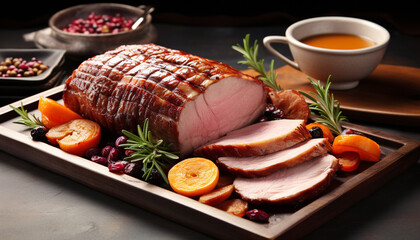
<point x="349" y="161"/>
<point x="367" y="149"/>
<point x="193" y="176"/>
<point x="75" y="136"/>
<point x="54" y="113"/>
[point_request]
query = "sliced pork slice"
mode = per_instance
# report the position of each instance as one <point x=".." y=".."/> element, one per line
<point x="292" y="185"/>
<point x="257" y="139"/>
<point x="258" y="166"/>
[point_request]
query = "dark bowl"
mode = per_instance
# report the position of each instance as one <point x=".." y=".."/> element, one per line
<point x="92" y="44"/>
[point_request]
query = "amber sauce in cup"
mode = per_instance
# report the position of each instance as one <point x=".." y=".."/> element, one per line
<point x="338" y="41"/>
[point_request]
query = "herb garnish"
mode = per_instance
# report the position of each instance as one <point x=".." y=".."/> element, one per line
<point x="325" y="106"/>
<point x="153" y="154"/>
<point x="29" y="120"/>
<point x="250" y="53"/>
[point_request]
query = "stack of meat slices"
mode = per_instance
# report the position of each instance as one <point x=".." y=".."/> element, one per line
<point x="275" y="161"/>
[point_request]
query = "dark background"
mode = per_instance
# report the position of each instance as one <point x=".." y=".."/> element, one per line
<point x="401" y="15"/>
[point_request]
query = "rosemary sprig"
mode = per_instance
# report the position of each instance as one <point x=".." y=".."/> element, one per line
<point x="250" y="53"/>
<point x="29" y="120"/>
<point x="325" y="106"/>
<point x="153" y="154"/>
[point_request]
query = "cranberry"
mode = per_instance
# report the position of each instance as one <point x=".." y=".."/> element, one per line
<point x="77" y="21"/>
<point x="93" y="151"/>
<point x="120" y="140"/>
<point x="91" y="15"/>
<point x="113" y="154"/>
<point x="117" y="166"/>
<point x="349" y="131"/>
<point x="133" y="169"/>
<point x="257" y="215"/>
<point x="105" y="151"/>
<point x="23" y="66"/>
<point x="99" y="159"/>
<point x="98" y="23"/>
<point x="277" y="114"/>
<point x="129" y="152"/>
<point x="272" y="112"/>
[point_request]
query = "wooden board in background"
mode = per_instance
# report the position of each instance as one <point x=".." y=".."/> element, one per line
<point x="391" y="94"/>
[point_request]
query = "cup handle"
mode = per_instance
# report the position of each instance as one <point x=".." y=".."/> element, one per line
<point x="278" y="39"/>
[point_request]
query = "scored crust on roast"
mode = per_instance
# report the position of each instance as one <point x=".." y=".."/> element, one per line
<point x="189" y="100"/>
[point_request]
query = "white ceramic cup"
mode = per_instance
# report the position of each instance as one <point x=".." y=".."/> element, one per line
<point x="346" y="67"/>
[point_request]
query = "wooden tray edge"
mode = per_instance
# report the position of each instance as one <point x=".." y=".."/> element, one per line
<point x="238" y="227"/>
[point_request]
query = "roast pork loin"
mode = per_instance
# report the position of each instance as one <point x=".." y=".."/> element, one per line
<point x="189" y="100"/>
<point x="293" y="185"/>
<point x="257" y="139"/>
<point x="257" y="166"/>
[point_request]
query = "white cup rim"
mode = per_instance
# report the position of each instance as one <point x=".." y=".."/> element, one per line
<point x="381" y="44"/>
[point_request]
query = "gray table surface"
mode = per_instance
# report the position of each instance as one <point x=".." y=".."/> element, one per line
<point x="38" y="204"/>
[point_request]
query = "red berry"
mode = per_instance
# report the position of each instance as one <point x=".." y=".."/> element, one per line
<point x="105" y="151"/>
<point x="129" y="152"/>
<point x="113" y="154"/>
<point x="23" y="66"/>
<point x="114" y="24"/>
<point x="99" y="159"/>
<point x="117" y="166"/>
<point x="120" y="140"/>
<point x="257" y="215"/>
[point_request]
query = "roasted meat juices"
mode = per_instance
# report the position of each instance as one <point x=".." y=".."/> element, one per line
<point x="189" y="100"/>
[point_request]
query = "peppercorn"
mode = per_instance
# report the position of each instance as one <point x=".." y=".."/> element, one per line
<point x="18" y="67"/>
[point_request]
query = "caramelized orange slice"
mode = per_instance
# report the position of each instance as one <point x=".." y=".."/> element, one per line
<point x="349" y="161"/>
<point x="193" y="176"/>
<point x="75" y="136"/>
<point x="54" y="113"/>
<point x="367" y="149"/>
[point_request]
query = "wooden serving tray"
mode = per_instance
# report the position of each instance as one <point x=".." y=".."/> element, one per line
<point x="391" y="94"/>
<point x="398" y="154"/>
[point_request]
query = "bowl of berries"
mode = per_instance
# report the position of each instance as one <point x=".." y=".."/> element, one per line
<point x="90" y="29"/>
